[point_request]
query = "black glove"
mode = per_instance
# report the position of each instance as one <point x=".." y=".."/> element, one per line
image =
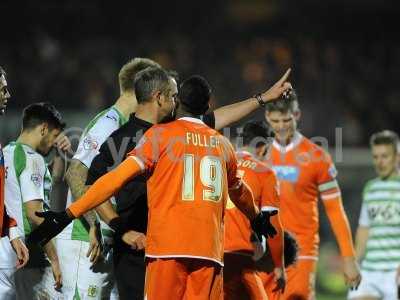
<point x="262" y="226"/>
<point x="53" y="224"/>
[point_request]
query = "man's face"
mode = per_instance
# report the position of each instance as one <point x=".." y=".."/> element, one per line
<point x="385" y="159"/>
<point x="47" y="142"/>
<point x="283" y="124"/>
<point x="4" y="93"/>
<point x="169" y="101"/>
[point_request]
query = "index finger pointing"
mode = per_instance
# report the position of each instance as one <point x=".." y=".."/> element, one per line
<point x="284" y="77"/>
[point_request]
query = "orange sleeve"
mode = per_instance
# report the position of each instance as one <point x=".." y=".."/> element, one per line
<point x="231" y="163"/>
<point x="270" y="192"/>
<point x="340" y="225"/>
<point x="275" y="244"/>
<point x="148" y="149"/>
<point x="106" y="186"/>
<point x="242" y="197"/>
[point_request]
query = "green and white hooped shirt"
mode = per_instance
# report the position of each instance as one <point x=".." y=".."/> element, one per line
<point x="94" y="135"/>
<point x="380" y="212"/>
<point x="27" y="179"/>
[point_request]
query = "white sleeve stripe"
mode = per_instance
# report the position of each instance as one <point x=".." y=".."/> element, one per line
<point x="330" y="196"/>
<point x="138" y="160"/>
<point x="269" y="208"/>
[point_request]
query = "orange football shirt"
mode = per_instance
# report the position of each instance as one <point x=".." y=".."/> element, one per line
<point x="5" y="221"/>
<point x="305" y="172"/>
<point x="262" y="182"/>
<point x="191" y="167"/>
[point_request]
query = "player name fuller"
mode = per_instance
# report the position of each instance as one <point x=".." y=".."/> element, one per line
<point x="201" y="140"/>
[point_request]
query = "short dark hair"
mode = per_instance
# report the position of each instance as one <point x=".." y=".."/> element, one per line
<point x="174" y="74"/>
<point x="290" y="249"/>
<point x="194" y="94"/>
<point x="284" y="105"/>
<point x="128" y="72"/>
<point x="385" y="137"/>
<point x="253" y="130"/>
<point x="41" y="112"/>
<point x="150" y="80"/>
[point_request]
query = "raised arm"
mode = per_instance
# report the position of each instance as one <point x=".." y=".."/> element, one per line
<point x="226" y="115"/>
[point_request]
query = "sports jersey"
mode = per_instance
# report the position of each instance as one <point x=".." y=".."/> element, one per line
<point x="27" y="179"/>
<point x="191" y="167"/>
<point x="6" y="223"/>
<point x="305" y="172"/>
<point x="94" y="135"/>
<point x="380" y="212"/>
<point x="262" y="182"/>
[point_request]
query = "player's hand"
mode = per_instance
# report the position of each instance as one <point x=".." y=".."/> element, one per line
<point x="94" y="251"/>
<point x="136" y="240"/>
<point x="258" y="246"/>
<point x="280" y="279"/>
<point x="352" y="273"/>
<point x="53" y="224"/>
<point x="62" y="142"/>
<point x="281" y="87"/>
<point x="55" y="267"/>
<point x="262" y="226"/>
<point x="21" y="251"/>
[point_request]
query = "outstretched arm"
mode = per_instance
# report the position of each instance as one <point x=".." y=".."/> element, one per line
<point x="226" y="115"/>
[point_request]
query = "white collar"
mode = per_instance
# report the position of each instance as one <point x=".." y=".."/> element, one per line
<point x="297" y="137"/>
<point x="193" y="120"/>
<point x="242" y="153"/>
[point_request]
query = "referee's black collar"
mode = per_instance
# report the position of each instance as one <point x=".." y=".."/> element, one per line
<point x="140" y="122"/>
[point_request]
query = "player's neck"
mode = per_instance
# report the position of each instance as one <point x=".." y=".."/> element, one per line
<point x="126" y="104"/>
<point x="248" y="149"/>
<point x="394" y="173"/>
<point x="28" y="139"/>
<point x="146" y="112"/>
<point x="181" y="113"/>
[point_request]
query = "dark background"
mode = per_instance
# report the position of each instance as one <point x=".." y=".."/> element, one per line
<point x="344" y="55"/>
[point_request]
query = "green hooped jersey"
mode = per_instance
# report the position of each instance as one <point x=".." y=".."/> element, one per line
<point x="380" y="212"/>
<point x="94" y="135"/>
<point x="27" y="179"/>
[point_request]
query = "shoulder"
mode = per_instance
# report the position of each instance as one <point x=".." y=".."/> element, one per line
<point x="372" y="183"/>
<point x="102" y="123"/>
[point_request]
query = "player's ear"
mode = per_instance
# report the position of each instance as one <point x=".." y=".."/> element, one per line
<point x="157" y="96"/>
<point x="261" y="151"/>
<point x="297" y="115"/>
<point x="44" y="129"/>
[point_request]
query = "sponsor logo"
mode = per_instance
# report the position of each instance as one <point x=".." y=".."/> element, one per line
<point x="332" y="171"/>
<point x="89" y="143"/>
<point x="112" y="118"/>
<point x="288" y="173"/>
<point x="37" y="179"/>
<point x="92" y="291"/>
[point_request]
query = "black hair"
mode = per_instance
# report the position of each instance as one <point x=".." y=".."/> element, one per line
<point x="194" y="94"/>
<point x="385" y="137"/>
<point x="41" y="112"/>
<point x="257" y="132"/>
